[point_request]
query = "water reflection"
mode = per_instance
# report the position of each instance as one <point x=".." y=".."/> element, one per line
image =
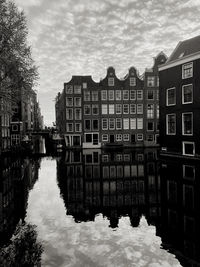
<point x="180" y="217"/>
<point x="17" y="177"/>
<point x="116" y="184"/>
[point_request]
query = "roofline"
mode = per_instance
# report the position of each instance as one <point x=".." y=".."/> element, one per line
<point x="179" y="61"/>
<point x="176" y="48"/>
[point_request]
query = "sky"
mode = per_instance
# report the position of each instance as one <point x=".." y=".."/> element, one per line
<point x="85" y="37"/>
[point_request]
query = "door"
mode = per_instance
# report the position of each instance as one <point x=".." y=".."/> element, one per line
<point x="112" y="138"/>
<point x="133" y="138"/>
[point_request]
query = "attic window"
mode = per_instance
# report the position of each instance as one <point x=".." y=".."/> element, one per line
<point x="181" y="55"/>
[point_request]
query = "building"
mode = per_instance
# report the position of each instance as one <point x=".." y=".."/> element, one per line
<point x="113" y="112"/>
<point x="180" y="100"/>
<point x="5" y="118"/>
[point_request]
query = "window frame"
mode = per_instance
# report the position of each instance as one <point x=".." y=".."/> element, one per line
<point x="183" y="86"/>
<point x="187" y="134"/>
<point x="167" y="128"/>
<point x="183" y="70"/>
<point x="188" y="143"/>
<point x="167" y="98"/>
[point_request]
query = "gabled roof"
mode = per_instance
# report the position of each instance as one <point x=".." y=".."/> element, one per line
<point x="185" y="48"/>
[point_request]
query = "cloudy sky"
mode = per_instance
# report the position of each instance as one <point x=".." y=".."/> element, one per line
<point x="84" y="37"/>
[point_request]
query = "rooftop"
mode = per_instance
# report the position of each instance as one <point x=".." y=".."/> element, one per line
<point x="185" y="48"/>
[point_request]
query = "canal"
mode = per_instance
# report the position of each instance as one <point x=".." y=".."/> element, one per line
<point x="99" y="208"/>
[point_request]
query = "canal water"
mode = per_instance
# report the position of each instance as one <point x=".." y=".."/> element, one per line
<point x="99" y="208"/>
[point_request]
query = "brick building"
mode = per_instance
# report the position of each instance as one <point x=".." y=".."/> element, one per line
<point x="113" y="112"/>
<point x="180" y="100"/>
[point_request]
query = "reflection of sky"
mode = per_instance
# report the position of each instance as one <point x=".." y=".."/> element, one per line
<point x="67" y="243"/>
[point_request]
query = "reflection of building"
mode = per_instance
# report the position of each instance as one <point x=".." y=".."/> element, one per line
<point x="114" y="184"/>
<point x="180" y="198"/>
<point x="17" y="177"/>
<point x="179" y="100"/>
<point x="111" y="112"/>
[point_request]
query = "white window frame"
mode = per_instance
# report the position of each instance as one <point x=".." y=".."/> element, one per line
<point x="118" y="137"/>
<point x="167" y="98"/>
<point x="111" y="81"/>
<point x="111" y="108"/>
<point x="132" y="105"/>
<point x="183" y="70"/>
<point x="132" y="81"/>
<point x="139" y="95"/>
<point x="126" y="95"/>
<point x="80" y="127"/>
<point x="104" y="137"/>
<point x="138" y="109"/>
<point x="111" y="95"/>
<point x="118" y="95"/>
<point x="126" y="137"/>
<point x="125" y="106"/>
<point x="126" y="124"/>
<point x="133" y="123"/>
<point x="188" y="143"/>
<point x="113" y="120"/>
<point x="104" y="95"/>
<point x="118" y="120"/>
<point x="185" y="85"/>
<point x="104" y="109"/>
<point x="132" y="94"/>
<point x="167" y="129"/>
<point x="191" y="134"/>
<point x="139" y="139"/>
<point x="120" y="108"/>
<point x="140" y="124"/>
<point x="104" y="120"/>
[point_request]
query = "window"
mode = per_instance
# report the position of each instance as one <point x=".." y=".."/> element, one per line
<point x="187" y="94"/>
<point x="126" y="137"/>
<point x="140" y="123"/>
<point x="69" y="113"/>
<point x="95" y="109"/>
<point x="105" y="124"/>
<point x="188" y="148"/>
<point x="150" y="138"/>
<point x="150" y="95"/>
<point x="125" y="95"/>
<point x="133" y="124"/>
<point x="118" y="108"/>
<point x="111" y="82"/>
<point x="69" y="89"/>
<point x="69" y="101"/>
<point x="139" y="108"/>
<point x="171" y="97"/>
<point x="118" y="95"/>
<point x="171" y="124"/>
<point x="140" y="137"/>
<point x="187" y="123"/>
<point x="118" y="137"/>
<point x="87" y="95"/>
<point x="84" y="85"/>
<point x="87" y="109"/>
<point x="78" y="127"/>
<point x="87" y="125"/>
<point x="77" y="89"/>
<point x="150" y="111"/>
<point x="95" y="125"/>
<point x="139" y="95"/>
<point x="132" y="94"/>
<point x="95" y="96"/>
<point x="126" y="123"/>
<point x="15" y="139"/>
<point x="111" y="109"/>
<point x="126" y="109"/>
<point x="150" y="81"/>
<point x="188" y="172"/>
<point x="103" y="95"/>
<point x="150" y="126"/>
<point x="111" y="124"/>
<point x="187" y="70"/>
<point x="77" y="101"/>
<point x="88" y="138"/>
<point x="132" y="108"/>
<point x="157" y="95"/>
<point x="104" y="137"/>
<point x="69" y="127"/>
<point x="132" y="81"/>
<point x="157" y="111"/>
<point x="111" y="94"/>
<point x="78" y="114"/>
<point x="118" y="123"/>
<point x="104" y="109"/>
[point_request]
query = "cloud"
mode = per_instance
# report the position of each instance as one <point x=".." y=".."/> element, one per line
<point x="84" y="37"/>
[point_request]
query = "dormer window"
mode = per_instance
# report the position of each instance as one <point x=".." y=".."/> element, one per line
<point x="110" y="81"/>
<point x="150" y="81"/>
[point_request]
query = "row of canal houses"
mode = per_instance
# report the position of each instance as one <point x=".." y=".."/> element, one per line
<point x="161" y="107"/>
<point x="20" y="115"/>
<point x="112" y="112"/>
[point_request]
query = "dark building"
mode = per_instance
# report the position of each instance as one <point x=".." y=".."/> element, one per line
<point x="180" y="100"/>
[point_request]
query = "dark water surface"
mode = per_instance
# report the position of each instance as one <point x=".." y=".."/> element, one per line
<point x="100" y="208"/>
